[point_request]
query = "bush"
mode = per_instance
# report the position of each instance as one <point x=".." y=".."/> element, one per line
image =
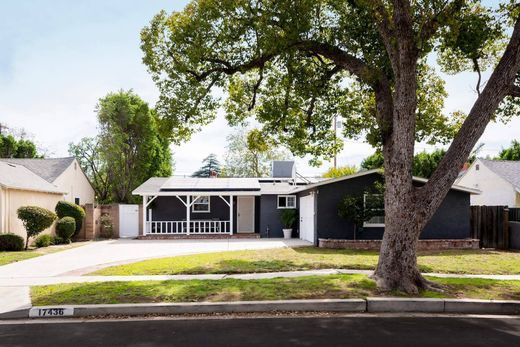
<point x="107" y="228"/>
<point x="35" y="220"/>
<point x="69" y="209"/>
<point x="288" y="218"/>
<point x="65" y="228"/>
<point x="60" y="241"/>
<point x="11" y="242"/>
<point x="44" y="240"/>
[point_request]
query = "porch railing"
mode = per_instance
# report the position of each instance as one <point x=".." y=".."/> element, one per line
<point x="182" y="227"/>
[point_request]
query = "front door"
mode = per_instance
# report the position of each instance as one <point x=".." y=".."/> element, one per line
<point x="246" y="214"/>
<point x="307" y="218"/>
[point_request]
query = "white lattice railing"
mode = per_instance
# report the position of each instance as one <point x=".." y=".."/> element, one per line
<point x="181" y="227"/>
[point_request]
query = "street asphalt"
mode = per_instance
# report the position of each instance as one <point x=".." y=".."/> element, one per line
<point x="357" y="330"/>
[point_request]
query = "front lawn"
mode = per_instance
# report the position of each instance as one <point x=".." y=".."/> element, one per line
<point x="311" y="287"/>
<point x="12" y="257"/>
<point x="308" y="258"/>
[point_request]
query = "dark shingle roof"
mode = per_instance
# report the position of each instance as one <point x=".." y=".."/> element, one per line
<point x="507" y="169"/>
<point x="48" y="169"/>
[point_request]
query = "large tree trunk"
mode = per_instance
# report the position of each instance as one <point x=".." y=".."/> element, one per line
<point x="409" y="208"/>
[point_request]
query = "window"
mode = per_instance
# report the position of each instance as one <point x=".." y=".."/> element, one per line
<point x="286" y="201"/>
<point x="477" y="167"/>
<point x="375" y="204"/>
<point x="76" y="201"/>
<point x="201" y="204"/>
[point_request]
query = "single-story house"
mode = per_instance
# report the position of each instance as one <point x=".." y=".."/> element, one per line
<point x="229" y="206"/>
<point x="64" y="173"/>
<point x="20" y="186"/>
<point x="498" y="181"/>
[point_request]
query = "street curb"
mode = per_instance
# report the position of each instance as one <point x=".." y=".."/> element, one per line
<point x="405" y="305"/>
<point x="369" y="305"/>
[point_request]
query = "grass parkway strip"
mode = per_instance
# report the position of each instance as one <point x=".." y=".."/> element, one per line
<point x="311" y="287"/>
<point x="485" y="262"/>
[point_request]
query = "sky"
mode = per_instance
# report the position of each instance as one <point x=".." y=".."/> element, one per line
<point x="57" y="58"/>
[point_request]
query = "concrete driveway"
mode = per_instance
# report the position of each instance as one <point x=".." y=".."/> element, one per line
<point x="96" y="255"/>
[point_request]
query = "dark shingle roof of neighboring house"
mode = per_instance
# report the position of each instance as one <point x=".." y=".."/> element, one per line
<point x="15" y="176"/>
<point x="48" y="169"/>
<point x="507" y="169"/>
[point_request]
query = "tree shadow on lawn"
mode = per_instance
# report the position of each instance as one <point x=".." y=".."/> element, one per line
<point x="312" y="287"/>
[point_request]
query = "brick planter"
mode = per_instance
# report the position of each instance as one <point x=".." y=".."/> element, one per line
<point x="423" y="245"/>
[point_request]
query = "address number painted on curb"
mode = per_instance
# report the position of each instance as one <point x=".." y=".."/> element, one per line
<point x="51" y="312"/>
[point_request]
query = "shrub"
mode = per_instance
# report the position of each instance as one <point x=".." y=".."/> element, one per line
<point x="288" y="218"/>
<point x="107" y="228"/>
<point x="69" y="209"/>
<point x="11" y="242"/>
<point x="60" y="241"/>
<point x="35" y="220"/>
<point x="44" y="240"/>
<point x="65" y="228"/>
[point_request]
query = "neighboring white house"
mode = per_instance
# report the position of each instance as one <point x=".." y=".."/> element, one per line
<point x="64" y="173"/>
<point x="498" y="180"/>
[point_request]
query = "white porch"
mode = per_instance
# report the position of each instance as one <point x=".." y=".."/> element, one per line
<point x="193" y="222"/>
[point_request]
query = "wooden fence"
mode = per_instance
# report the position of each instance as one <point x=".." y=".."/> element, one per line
<point x="490" y="224"/>
<point x="514" y="214"/>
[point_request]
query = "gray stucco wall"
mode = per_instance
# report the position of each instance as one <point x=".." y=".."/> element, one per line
<point x="451" y="221"/>
<point x="169" y="208"/>
<point x="270" y="217"/>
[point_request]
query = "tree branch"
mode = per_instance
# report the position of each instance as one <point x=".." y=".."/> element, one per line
<point x="514" y="91"/>
<point x="385" y="28"/>
<point x="500" y="84"/>
<point x="430" y="27"/>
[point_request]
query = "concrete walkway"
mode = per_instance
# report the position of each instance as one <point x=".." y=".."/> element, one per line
<point x="34" y="281"/>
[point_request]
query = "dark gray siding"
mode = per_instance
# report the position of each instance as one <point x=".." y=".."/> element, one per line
<point x="329" y="224"/>
<point x="270" y="217"/>
<point x="451" y="221"/>
<point x="169" y="208"/>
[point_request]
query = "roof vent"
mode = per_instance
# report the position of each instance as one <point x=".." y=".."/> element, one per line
<point x="283" y="169"/>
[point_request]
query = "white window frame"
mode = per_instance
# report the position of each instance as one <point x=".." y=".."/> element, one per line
<point x="286" y="200"/>
<point x="367" y="223"/>
<point x="195" y="202"/>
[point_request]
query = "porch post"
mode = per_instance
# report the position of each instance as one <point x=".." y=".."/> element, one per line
<point x="145" y="199"/>
<point x="188" y="213"/>
<point x="231" y="215"/>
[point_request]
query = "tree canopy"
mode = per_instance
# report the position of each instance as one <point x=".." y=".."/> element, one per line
<point x="424" y="163"/>
<point x="210" y="166"/>
<point x="11" y="147"/>
<point x="130" y="148"/>
<point x="295" y="65"/>
<point x="510" y="153"/>
<point x="340" y="171"/>
<point x="249" y="154"/>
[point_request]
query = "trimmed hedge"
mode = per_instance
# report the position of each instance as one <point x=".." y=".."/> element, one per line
<point x="69" y="209"/>
<point x="44" y="240"/>
<point x="65" y="228"/>
<point x="11" y="243"/>
<point x="35" y="220"/>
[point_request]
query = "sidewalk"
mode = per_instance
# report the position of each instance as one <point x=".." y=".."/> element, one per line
<point x="36" y="281"/>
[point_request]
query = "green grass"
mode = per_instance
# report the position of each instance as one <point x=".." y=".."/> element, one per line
<point x="308" y="258"/>
<point x="311" y="287"/>
<point x="13" y="257"/>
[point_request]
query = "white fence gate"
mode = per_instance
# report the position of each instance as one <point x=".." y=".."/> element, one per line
<point x="128" y="220"/>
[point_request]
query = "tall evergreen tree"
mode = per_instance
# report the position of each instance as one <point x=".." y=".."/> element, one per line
<point x="210" y="165"/>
